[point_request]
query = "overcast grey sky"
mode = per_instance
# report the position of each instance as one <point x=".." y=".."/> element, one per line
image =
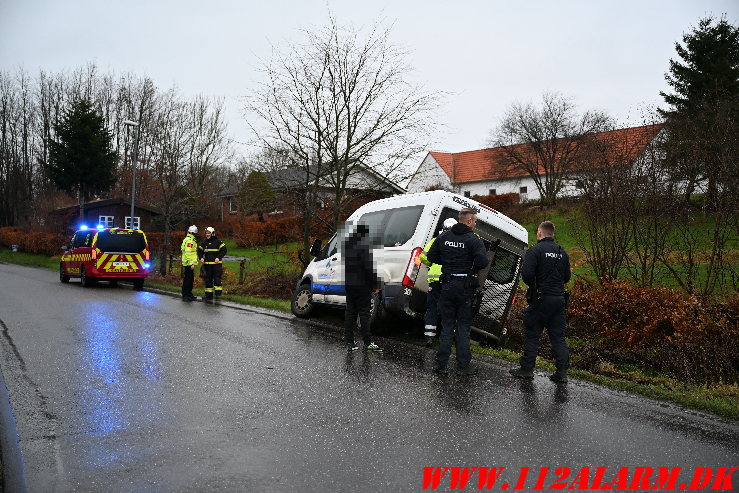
<point x="609" y="55"/>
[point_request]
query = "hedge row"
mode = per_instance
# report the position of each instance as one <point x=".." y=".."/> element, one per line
<point x="620" y="325"/>
<point x="276" y="231"/>
<point x="500" y="202"/>
<point x="51" y="243"/>
<point x="32" y="241"/>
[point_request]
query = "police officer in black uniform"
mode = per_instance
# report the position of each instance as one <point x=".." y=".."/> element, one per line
<point x="546" y="270"/>
<point x="462" y="254"/>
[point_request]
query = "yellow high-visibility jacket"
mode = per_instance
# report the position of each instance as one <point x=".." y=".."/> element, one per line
<point x="434" y="269"/>
<point x="189" y="250"/>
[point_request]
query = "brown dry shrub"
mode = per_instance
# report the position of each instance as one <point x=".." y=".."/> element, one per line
<point x="688" y="337"/>
<point x="32" y="241"/>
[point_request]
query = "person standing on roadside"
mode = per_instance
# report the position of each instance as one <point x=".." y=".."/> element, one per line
<point x="431" y="317"/>
<point x="211" y="253"/>
<point x="546" y="270"/>
<point x="462" y="255"/>
<point x="361" y="282"/>
<point x="189" y="250"/>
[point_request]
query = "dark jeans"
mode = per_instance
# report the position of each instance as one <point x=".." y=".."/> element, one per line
<point x="548" y="312"/>
<point x="358" y="301"/>
<point x="213" y="273"/>
<point x="188" y="278"/>
<point x="455" y="306"/>
<point x="432" y="304"/>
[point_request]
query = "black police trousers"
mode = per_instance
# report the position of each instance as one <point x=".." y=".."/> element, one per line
<point x="547" y="312"/>
<point x="455" y="306"/>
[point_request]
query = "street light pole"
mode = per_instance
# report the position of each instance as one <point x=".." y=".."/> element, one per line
<point x="135" y="125"/>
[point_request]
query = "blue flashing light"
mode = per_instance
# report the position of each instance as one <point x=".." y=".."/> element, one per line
<point x="100" y="226"/>
<point x="147" y="265"/>
<point x="83" y="227"/>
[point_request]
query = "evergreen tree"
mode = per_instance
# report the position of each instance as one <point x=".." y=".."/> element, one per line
<point x="710" y="68"/>
<point x="81" y="160"/>
<point x="256" y="195"/>
<point x="701" y="123"/>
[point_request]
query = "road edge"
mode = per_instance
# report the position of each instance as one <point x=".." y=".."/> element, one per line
<point x="14" y="477"/>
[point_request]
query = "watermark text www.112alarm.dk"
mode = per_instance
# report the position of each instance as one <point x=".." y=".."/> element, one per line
<point x="583" y="478"/>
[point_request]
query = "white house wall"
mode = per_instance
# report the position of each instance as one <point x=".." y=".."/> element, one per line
<point x="501" y="187"/>
<point x="429" y="174"/>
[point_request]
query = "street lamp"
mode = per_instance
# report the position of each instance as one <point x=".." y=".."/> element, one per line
<point x="135" y="125"/>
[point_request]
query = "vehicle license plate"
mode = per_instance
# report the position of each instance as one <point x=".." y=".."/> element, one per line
<point x="120" y="264"/>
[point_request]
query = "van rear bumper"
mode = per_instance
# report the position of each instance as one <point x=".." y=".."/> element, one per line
<point x="402" y="299"/>
<point x="101" y="274"/>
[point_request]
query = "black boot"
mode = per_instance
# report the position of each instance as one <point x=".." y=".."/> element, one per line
<point x="521" y="373"/>
<point x="559" y="376"/>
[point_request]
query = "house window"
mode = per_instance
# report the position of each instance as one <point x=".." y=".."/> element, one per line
<point x="136" y="222"/>
<point x="232" y="208"/>
<point x="523" y="190"/>
<point x="493" y="192"/>
<point x="106" y="221"/>
<point x="467" y="193"/>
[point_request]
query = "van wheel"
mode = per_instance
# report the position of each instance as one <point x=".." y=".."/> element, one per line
<point x="302" y="304"/>
<point x="62" y="276"/>
<point x="86" y="281"/>
<point x="138" y="284"/>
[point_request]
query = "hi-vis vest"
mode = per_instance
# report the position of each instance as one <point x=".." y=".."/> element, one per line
<point x="434" y="269"/>
<point x="189" y="250"/>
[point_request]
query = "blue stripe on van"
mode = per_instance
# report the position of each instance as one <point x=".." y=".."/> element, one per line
<point x="329" y="289"/>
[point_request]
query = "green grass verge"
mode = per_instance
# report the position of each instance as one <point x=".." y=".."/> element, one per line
<point x="31" y="259"/>
<point x="273" y="304"/>
<point x="722" y="400"/>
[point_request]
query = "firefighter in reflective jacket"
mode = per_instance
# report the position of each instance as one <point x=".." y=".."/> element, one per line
<point x="211" y="253"/>
<point x="433" y="277"/>
<point x="189" y="261"/>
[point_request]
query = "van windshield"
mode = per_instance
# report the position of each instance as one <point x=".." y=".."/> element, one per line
<point x="121" y="241"/>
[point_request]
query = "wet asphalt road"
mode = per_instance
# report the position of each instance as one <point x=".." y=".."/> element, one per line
<point x="117" y="390"/>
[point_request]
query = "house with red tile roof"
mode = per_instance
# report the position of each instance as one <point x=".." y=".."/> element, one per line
<point x="490" y="172"/>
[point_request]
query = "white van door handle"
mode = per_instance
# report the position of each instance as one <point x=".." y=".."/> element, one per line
<point x="333" y="259"/>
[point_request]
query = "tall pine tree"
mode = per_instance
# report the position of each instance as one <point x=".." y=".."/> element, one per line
<point x="709" y="70"/>
<point x="82" y="161"/>
<point x="701" y="122"/>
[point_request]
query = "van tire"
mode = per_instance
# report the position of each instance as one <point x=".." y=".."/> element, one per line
<point x="62" y="276"/>
<point x="86" y="281"/>
<point x="302" y="303"/>
<point x="138" y="284"/>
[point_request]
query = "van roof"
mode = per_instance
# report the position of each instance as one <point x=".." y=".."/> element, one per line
<point x="439" y="197"/>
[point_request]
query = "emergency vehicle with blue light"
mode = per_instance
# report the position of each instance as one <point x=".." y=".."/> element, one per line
<point x="106" y="254"/>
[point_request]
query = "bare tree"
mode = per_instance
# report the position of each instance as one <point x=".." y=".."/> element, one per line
<point x="187" y="146"/>
<point x="543" y="142"/>
<point x="339" y="103"/>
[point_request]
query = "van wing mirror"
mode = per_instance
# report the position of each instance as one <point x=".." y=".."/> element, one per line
<point x="65" y="247"/>
<point x="315" y="249"/>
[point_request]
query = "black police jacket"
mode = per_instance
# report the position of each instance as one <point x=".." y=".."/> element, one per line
<point x="547" y="265"/>
<point x="359" y="270"/>
<point x="459" y="251"/>
<point x="212" y="249"/>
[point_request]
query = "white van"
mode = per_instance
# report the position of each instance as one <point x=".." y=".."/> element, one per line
<point x="400" y="227"/>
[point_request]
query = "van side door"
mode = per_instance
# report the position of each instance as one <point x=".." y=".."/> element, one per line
<point x="324" y="278"/>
